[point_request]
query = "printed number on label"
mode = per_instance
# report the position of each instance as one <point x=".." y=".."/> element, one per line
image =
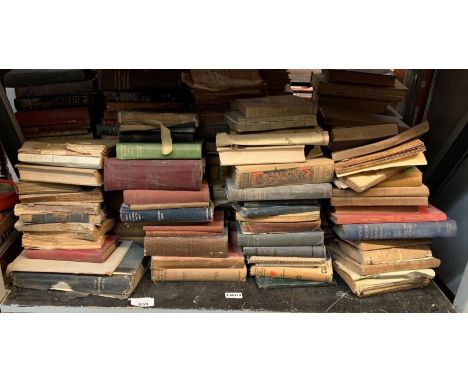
<point x="142" y="302"/>
<point x="233" y="294"/>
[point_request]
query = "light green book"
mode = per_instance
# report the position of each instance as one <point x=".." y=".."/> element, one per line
<point x="192" y="150"/>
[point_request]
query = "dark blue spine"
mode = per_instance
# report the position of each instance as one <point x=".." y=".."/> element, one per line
<point x="51" y="218"/>
<point x="396" y="230"/>
<point x="176" y="215"/>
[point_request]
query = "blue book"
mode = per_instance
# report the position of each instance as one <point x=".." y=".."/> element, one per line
<point x="169" y="215"/>
<point x="381" y="231"/>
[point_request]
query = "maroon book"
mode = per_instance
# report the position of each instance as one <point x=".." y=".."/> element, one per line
<point x="53" y="116"/>
<point x="86" y="255"/>
<point x="133" y="197"/>
<point x="152" y="174"/>
<point x="139" y="79"/>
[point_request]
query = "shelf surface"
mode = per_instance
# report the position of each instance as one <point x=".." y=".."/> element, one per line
<point x="210" y="297"/>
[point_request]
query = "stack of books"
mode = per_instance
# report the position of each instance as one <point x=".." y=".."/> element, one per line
<point x="55" y="103"/>
<point x="278" y="174"/>
<point x="382" y="216"/>
<point x="165" y="197"/>
<point x="277" y="81"/>
<point x="8" y="234"/>
<point x="65" y="225"/>
<point x="137" y="89"/>
<point x="300" y="82"/>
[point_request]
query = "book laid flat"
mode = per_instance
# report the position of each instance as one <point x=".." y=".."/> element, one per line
<point x="166" y="206"/>
<point x="300" y="191"/>
<point x="385" y="255"/>
<point x="311" y="238"/>
<point x="380" y="231"/>
<point x="150" y="106"/>
<point x="132" y="197"/>
<point x="384" y="282"/>
<point x="138" y="79"/>
<point x="78" y="115"/>
<point x="29" y="77"/>
<point x="194" y="245"/>
<point x="395" y="140"/>
<point x="290" y="261"/>
<point x="306" y="216"/>
<point x="423" y="213"/>
<point x="296" y="251"/>
<point x="405" y="150"/>
<point x="86" y="255"/>
<point x="272" y="106"/>
<point x="365" y="180"/>
<point x="155" y="151"/>
<point x="119" y="284"/>
<point x="24" y="187"/>
<point x="60" y="212"/>
<point x="63" y="88"/>
<point x="383" y="191"/>
<point x="277" y="283"/>
<point x="55" y="102"/>
<point x="93" y="195"/>
<point x="82" y="230"/>
<point x="86" y="154"/>
<point x="273" y="139"/>
<point x="107" y="267"/>
<point x="372" y="77"/>
<point x="199" y="274"/>
<point x="348" y="137"/>
<point x="379" y="201"/>
<point x="187" y="215"/>
<point x="411" y="177"/>
<point x="241" y="124"/>
<point x="351" y="104"/>
<point x="324" y="274"/>
<point x="372" y="269"/>
<point x="250" y="227"/>
<point x="144" y="119"/>
<point x="373" y="245"/>
<point x="233" y="156"/>
<point x="216" y="226"/>
<point x="277" y="209"/>
<point x="317" y="170"/>
<point x="60" y="240"/>
<point x="152" y="174"/>
<point x="66" y="175"/>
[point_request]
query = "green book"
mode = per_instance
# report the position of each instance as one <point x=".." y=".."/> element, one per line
<point x="276" y="283"/>
<point x="192" y="150"/>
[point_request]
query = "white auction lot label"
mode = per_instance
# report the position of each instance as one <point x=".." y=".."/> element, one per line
<point x="233" y="294"/>
<point x="142" y="302"/>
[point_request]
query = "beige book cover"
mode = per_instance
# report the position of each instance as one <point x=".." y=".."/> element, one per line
<point x="280" y="139"/>
<point x="379" y="201"/>
<point x="365" y="180"/>
<point x="411" y="177"/>
<point x="199" y="274"/>
<point x="384" y="191"/>
<point x="272" y="106"/>
<point x="284" y="261"/>
<point x="59" y="240"/>
<point x="371" y="245"/>
<point x="58" y="208"/>
<point x="363" y="132"/>
<point x="323" y="273"/>
<point x="24" y="188"/>
<point x="65" y="175"/>
<point x="94" y="195"/>
<point x="261" y="155"/>
<point x="85" y="228"/>
<point x="24" y="264"/>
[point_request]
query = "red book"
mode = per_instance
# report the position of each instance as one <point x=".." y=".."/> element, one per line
<point x="153" y="174"/>
<point x="53" y="117"/>
<point x="85" y="255"/>
<point x="213" y="227"/>
<point x="8" y="195"/>
<point x="132" y="197"/>
<point x="424" y="214"/>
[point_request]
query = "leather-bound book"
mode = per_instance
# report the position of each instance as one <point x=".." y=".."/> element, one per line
<point x="53" y="117"/>
<point x="165" y="196"/>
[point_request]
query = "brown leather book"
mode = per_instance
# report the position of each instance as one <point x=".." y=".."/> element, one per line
<point x="372" y="77"/>
<point x="256" y="228"/>
<point x="139" y="79"/>
<point x="142" y="197"/>
<point x="53" y="116"/>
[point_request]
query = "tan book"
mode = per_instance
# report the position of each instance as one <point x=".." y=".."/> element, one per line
<point x="272" y="106"/>
<point x="59" y="241"/>
<point x="87" y="229"/>
<point x="179" y="262"/>
<point x="199" y="274"/>
<point x="384" y="282"/>
<point x="24" y="187"/>
<point x="358" y="104"/>
<point x="238" y="123"/>
<point x="94" y="195"/>
<point x="386" y="255"/>
<point x="383" y="191"/>
<point x="379" y="201"/>
<point x="375" y="209"/>
<point x="398" y="139"/>
<point x="365" y="180"/>
<point x="261" y="155"/>
<point x="372" y="245"/>
<point x="66" y="175"/>
<point x="374" y="161"/>
<point x="286" y="218"/>
<point x="363" y="132"/>
<point x="58" y="208"/>
<point x="323" y="273"/>
<point x="165" y="206"/>
<point x="95" y="219"/>
<point x="25" y="264"/>
<point x="288" y="261"/>
<point x="280" y="139"/>
<point x="84" y="154"/>
<point x="317" y="170"/>
<point x="411" y="177"/>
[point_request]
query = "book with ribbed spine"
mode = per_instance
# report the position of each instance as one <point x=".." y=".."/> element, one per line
<point x="132" y="197"/>
<point x="186" y="215"/>
<point x="154" y="151"/>
<point x="296" y="251"/>
<point x="55" y="102"/>
<point x="199" y="274"/>
<point x="311" y="238"/>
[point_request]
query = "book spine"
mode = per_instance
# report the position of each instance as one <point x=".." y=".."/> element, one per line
<point x="107" y="130"/>
<point x="338" y="201"/>
<point x="298" y="251"/>
<point x="196" y="274"/>
<point x="56" y="218"/>
<point x="52" y="116"/>
<point x="300" y="175"/>
<point x="153" y="151"/>
<point x="194" y="246"/>
<point x="152" y="174"/>
<point x="169" y="262"/>
<point x="273" y="211"/>
<point x="281" y="240"/>
<point x="308" y="191"/>
<point x="132" y="197"/>
<point x="139" y="79"/>
<point x="67" y="88"/>
<point x="388" y="218"/>
<point x="397" y="230"/>
<point x="15" y="79"/>
<point x="312" y="274"/>
<point x="260" y="227"/>
<point x="187" y="215"/>
<point x="54" y="102"/>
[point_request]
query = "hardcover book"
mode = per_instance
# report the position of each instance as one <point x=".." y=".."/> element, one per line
<point x="66" y="175"/>
<point x="179" y="215"/>
<point x="155" y="151"/>
<point x="63" y="88"/>
<point x="78" y="115"/>
<point x="311" y="238"/>
<point x="372" y="77"/>
<point x="233" y="156"/>
<point x="241" y="124"/>
<point x="55" y="102"/>
<point x="30" y="77"/>
<point x="132" y="197"/>
<point x="296" y="251"/>
<point x="199" y="274"/>
<point x="272" y="106"/>
<point x="277" y="209"/>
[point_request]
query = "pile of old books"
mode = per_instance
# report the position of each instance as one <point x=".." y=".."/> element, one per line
<point x="382" y="217"/>
<point x="54" y="103"/>
<point x="137" y="89"/>
<point x="300" y="82"/>
<point x="8" y="234"/>
<point x="167" y="200"/>
<point x="277" y="177"/>
<point x="64" y="223"/>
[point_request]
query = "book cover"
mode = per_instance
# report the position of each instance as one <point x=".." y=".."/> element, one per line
<point x="55" y="102"/>
<point x="78" y="115"/>
<point x="243" y="155"/>
<point x="372" y="77"/>
<point x="261" y="227"/>
<point x="311" y="238"/>
<point x="30" y="77"/>
<point x="296" y="251"/>
<point x="154" y="151"/>
<point x="63" y="88"/>
<point x="164" y="196"/>
<point x="180" y="215"/>
<point x="139" y="79"/>
<point x="199" y="274"/>
<point x="277" y="209"/>
<point x="66" y="175"/>
<point x="272" y="106"/>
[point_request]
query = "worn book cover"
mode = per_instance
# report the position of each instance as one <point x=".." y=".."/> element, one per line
<point x="242" y="155"/>
<point x="272" y="106"/>
<point x="139" y="197"/>
<point x="199" y="274"/>
<point x="372" y="77"/>
<point x="66" y="175"/>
